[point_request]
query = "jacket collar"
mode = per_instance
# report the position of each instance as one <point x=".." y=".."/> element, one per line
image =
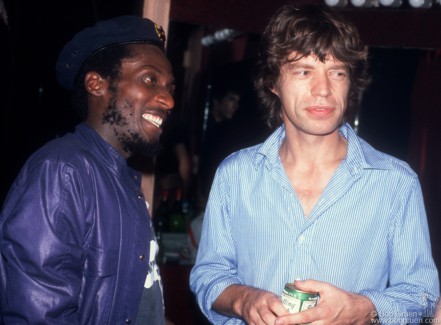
<point x="105" y="152"/>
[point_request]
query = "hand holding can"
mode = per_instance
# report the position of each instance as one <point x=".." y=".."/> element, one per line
<point x="296" y="300"/>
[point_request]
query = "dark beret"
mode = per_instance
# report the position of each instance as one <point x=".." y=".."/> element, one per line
<point x="119" y="30"/>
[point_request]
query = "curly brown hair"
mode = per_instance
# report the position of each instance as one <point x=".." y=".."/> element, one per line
<point x="306" y="29"/>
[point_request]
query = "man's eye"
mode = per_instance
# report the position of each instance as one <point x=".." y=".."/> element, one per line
<point x="301" y="73"/>
<point x="150" y="79"/>
<point x="339" y="75"/>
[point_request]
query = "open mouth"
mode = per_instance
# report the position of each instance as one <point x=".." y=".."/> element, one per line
<point x="154" y="119"/>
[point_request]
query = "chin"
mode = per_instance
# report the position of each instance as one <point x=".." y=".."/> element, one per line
<point x="144" y="149"/>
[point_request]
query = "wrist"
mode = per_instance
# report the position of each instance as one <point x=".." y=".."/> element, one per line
<point x="367" y="310"/>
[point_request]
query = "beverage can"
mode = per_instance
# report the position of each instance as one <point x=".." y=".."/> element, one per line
<point x="296" y="300"/>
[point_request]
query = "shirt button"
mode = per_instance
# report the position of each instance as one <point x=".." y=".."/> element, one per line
<point x="128" y="321"/>
<point x="142" y="257"/>
<point x="301" y="239"/>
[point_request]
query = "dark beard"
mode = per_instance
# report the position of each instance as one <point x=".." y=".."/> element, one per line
<point x="138" y="147"/>
<point x="132" y="142"/>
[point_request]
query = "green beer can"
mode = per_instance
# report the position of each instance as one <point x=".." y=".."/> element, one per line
<point x="296" y="300"/>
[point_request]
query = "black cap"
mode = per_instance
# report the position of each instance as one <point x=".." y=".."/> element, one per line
<point x="119" y="30"/>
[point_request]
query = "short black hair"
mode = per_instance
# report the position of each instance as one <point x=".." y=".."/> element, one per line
<point x="106" y="62"/>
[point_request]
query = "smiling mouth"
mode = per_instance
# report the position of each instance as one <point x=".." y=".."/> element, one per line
<point x="154" y="119"/>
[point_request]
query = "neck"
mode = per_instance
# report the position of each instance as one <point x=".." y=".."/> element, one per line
<point x="313" y="150"/>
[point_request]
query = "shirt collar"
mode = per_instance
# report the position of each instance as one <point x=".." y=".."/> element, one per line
<point x="268" y="152"/>
<point x="360" y="154"/>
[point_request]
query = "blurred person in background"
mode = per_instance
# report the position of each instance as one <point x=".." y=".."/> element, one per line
<point x="217" y="142"/>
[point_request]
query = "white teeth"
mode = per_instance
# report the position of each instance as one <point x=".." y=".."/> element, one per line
<point x="155" y="120"/>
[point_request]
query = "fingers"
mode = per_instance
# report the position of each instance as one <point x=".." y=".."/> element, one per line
<point x="264" y="309"/>
<point x="311" y="285"/>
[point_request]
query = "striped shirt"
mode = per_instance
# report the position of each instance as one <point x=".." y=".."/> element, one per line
<point x="368" y="232"/>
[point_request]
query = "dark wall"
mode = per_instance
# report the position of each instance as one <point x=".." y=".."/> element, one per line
<point x="34" y="108"/>
<point x="382" y="26"/>
<point x="385" y="113"/>
<point x="400" y="115"/>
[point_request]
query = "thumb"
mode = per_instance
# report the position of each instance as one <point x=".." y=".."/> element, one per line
<point x="309" y="285"/>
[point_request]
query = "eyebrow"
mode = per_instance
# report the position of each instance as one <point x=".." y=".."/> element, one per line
<point x="297" y="65"/>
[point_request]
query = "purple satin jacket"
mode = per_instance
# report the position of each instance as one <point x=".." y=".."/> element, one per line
<point x="74" y="236"/>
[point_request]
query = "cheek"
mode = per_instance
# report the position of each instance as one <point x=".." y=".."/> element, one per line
<point x="126" y="108"/>
<point x="134" y="92"/>
<point x="291" y="94"/>
<point x="132" y="99"/>
<point x="343" y="93"/>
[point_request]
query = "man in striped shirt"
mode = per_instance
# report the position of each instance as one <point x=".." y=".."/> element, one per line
<point x="314" y="201"/>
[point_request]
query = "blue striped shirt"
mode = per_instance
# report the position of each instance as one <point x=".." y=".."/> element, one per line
<point x="367" y="234"/>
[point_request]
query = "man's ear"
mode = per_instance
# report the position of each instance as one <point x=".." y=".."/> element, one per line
<point x="95" y="84"/>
